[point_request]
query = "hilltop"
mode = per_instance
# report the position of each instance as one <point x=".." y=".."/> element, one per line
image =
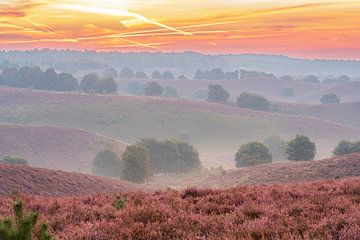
<point x="54" y="147"/>
<point x="216" y="130"/>
<point x="38" y="181"/>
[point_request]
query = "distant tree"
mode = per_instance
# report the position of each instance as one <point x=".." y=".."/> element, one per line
<point x="88" y="83"/>
<point x="136" y="164"/>
<point x="156" y="75"/>
<point x="254" y="74"/>
<point x="48" y="80"/>
<point x="198" y="75"/>
<point x="106" y="85"/>
<point x="218" y="94"/>
<point x="168" y="75"/>
<point x="253" y="101"/>
<point x="170" y="92"/>
<point x="251" y="154"/>
<point x="111" y="73"/>
<point x="346" y="147"/>
<point x="339" y="80"/>
<point x="126" y="73"/>
<point x="277" y="147"/>
<point x="66" y="82"/>
<point x="171" y="156"/>
<point x="330" y="98"/>
<point x="10" y="76"/>
<point x="216" y="74"/>
<point x="107" y="164"/>
<point x="141" y="75"/>
<point x="200" y="94"/>
<point x="287" y="91"/>
<point x="311" y="79"/>
<point x="14" y="160"/>
<point x="135" y="88"/>
<point x="153" y="89"/>
<point x="300" y="149"/>
<point x="182" y="77"/>
<point x="286" y="78"/>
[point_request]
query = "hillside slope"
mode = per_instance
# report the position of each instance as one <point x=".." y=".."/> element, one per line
<point x="343" y="113"/>
<point x="39" y="181"/>
<point x="54" y="147"/>
<point x="216" y="130"/>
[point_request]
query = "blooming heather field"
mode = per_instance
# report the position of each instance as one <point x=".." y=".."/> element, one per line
<point x="318" y="210"/>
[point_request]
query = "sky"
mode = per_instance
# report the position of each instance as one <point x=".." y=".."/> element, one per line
<point x="297" y="28"/>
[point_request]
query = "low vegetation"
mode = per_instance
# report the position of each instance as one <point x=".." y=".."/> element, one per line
<point x="14" y="160"/>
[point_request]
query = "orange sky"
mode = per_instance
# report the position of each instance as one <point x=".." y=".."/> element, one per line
<point x="300" y="28"/>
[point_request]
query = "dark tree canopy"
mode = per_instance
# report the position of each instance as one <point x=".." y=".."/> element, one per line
<point x="126" y="73"/>
<point x="171" y="156"/>
<point x="92" y="83"/>
<point x="136" y="164"/>
<point x="300" y="149"/>
<point x="218" y="94"/>
<point x="330" y="98"/>
<point x="153" y="89"/>
<point x="88" y="83"/>
<point x="251" y="154"/>
<point x="107" y="164"/>
<point x="254" y="74"/>
<point x="140" y="75"/>
<point x="111" y="73"/>
<point x="253" y="101"/>
<point x="168" y="75"/>
<point x="311" y="79"/>
<point x="339" y="80"/>
<point x="156" y="75"/>
<point x="346" y="147"/>
<point x="215" y="74"/>
<point x="170" y="92"/>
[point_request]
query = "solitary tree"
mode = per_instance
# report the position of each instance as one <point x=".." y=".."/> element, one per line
<point x="253" y="101"/>
<point x="107" y="163"/>
<point x="153" y="89"/>
<point x="251" y="154"/>
<point x="136" y="164"/>
<point x="218" y="94"/>
<point x="346" y="147"/>
<point x="330" y="98"/>
<point x="300" y="149"/>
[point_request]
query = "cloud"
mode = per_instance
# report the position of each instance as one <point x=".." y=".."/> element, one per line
<point x="18" y="8"/>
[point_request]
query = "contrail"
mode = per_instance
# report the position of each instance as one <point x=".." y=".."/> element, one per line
<point x="119" y="13"/>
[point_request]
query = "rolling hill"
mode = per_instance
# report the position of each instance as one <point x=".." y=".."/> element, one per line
<point x="44" y="182"/>
<point x="216" y="130"/>
<point x="54" y="147"/>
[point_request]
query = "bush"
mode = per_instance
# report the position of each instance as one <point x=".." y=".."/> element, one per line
<point x="330" y="98"/>
<point x="107" y="164"/>
<point x="346" y="147"/>
<point x="287" y="91"/>
<point x="136" y="164"/>
<point x="277" y="147"/>
<point x="300" y="149"/>
<point x="14" y="160"/>
<point x="218" y="94"/>
<point x="253" y="101"/>
<point x="22" y="227"/>
<point x="251" y="154"/>
<point x="153" y="89"/>
<point x="171" y="156"/>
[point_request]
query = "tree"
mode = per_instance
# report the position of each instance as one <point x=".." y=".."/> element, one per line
<point x="200" y="94"/>
<point x="346" y="147"/>
<point x="300" y="149"/>
<point x="111" y="73"/>
<point x="253" y="101"/>
<point x="170" y="92"/>
<point x="311" y="79"/>
<point x="107" y="163"/>
<point x="106" y="85"/>
<point x="156" y="75"/>
<point x="168" y="75"/>
<point x="14" y="160"/>
<point x="48" y="80"/>
<point x="330" y="98"/>
<point x="88" y="83"/>
<point x="277" y="147"/>
<point x="141" y="75"/>
<point x="153" y="89"/>
<point x="218" y="94"/>
<point x="182" y="77"/>
<point x="126" y="73"/>
<point x="136" y="164"/>
<point x="171" y="156"/>
<point x="66" y="82"/>
<point x="22" y="227"/>
<point x="198" y="75"/>
<point x="287" y="91"/>
<point x="135" y="88"/>
<point x="251" y="154"/>
<point x="286" y="78"/>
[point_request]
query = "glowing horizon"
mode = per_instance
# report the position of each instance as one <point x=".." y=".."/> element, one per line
<point x="300" y="28"/>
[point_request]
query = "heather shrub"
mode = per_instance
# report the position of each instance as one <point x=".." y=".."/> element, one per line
<point x="251" y="154"/>
<point x="14" y="160"/>
<point x="107" y="163"/>
<point x="300" y="149"/>
<point x="253" y="101"/>
<point x="136" y="164"/>
<point x="22" y="226"/>
<point x="119" y="203"/>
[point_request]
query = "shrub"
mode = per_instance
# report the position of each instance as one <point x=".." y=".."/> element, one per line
<point x="277" y="147"/>
<point x="251" y="154"/>
<point x="15" y="160"/>
<point x="300" y="148"/>
<point x="136" y="164"/>
<point x="107" y="163"/>
<point x="119" y="203"/>
<point x="171" y="156"/>
<point x="22" y="227"/>
<point x="287" y="91"/>
<point x="153" y="89"/>
<point x="218" y="94"/>
<point x="330" y="98"/>
<point x="346" y="147"/>
<point x="253" y="101"/>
